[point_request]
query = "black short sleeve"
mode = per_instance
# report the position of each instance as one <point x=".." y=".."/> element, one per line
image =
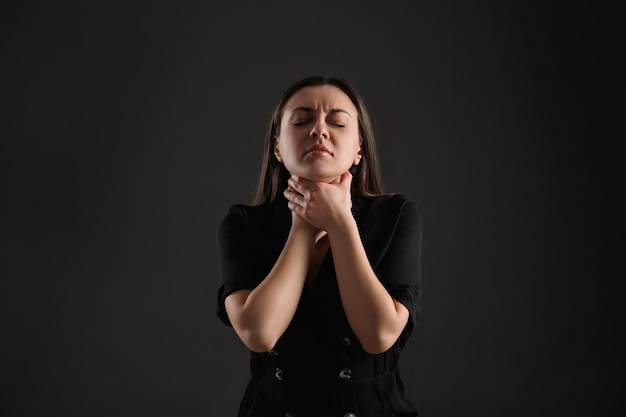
<point x="392" y="231"/>
<point x="401" y="268"/>
<point x="238" y="264"/>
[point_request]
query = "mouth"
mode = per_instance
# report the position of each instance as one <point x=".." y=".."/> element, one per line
<point x="318" y="150"/>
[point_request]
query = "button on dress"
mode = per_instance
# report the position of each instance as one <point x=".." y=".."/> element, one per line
<point x="318" y="366"/>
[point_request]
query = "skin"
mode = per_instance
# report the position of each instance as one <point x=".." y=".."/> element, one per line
<point x="318" y="143"/>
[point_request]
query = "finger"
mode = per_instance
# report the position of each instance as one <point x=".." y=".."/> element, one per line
<point x="295" y="208"/>
<point x="298" y="187"/>
<point x="303" y="181"/>
<point x="346" y="178"/>
<point x="293" y="196"/>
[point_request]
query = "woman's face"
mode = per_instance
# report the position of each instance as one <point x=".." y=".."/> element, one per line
<point x="319" y="134"/>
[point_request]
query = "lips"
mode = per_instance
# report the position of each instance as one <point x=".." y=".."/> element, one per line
<point x="318" y="150"/>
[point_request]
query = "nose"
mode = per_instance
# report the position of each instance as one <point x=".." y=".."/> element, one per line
<point x="319" y="131"/>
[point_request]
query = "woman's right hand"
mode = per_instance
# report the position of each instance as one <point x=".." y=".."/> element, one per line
<point x="300" y="225"/>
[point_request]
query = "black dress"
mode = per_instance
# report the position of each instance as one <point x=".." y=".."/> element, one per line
<point x="318" y="367"/>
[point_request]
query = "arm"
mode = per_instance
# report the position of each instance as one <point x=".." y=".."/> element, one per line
<point x="261" y="316"/>
<point x="375" y="316"/>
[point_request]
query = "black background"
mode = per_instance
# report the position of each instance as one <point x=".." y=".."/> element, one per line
<point x="129" y="128"/>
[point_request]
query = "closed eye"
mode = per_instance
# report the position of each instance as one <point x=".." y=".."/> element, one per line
<point x="337" y="122"/>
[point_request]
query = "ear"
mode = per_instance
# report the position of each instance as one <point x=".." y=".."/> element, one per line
<point x="277" y="150"/>
<point x="358" y="157"/>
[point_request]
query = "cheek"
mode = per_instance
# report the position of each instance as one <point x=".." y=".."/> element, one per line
<point x="287" y="149"/>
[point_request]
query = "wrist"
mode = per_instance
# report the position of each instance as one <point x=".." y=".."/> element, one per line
<point x="305" y="232"/>
<point x="345" y="224"/>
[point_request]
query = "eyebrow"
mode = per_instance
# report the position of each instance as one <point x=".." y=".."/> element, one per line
<point x="311" y="110"/>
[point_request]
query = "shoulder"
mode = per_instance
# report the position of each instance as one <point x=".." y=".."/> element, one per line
<point x="383" y="215"/>
<point x="247" y="218"/>
<point x="391" y="199"/>
<point x="243" y="212"/>
<point x="236" y="215"/>
<point x="390" y="227"/>
<point x="386" y="205"/>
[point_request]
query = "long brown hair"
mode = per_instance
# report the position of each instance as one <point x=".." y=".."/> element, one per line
<point x="273" y="179"/>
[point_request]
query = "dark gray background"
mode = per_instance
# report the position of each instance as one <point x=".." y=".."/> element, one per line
<point x="129" y="128"/>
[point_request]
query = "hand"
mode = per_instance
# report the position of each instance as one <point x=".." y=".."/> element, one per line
<point x="323" y="205"/>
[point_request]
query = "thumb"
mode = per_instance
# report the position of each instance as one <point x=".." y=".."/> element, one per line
<point x="337" y="180"/>
<point x="346" y="179"/>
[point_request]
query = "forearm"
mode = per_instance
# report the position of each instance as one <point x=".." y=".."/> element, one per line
<point x="262" y="315"/>
<point x="375" y="317"/>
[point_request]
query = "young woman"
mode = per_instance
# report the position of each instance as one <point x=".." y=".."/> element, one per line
<point x="321" y="275"/>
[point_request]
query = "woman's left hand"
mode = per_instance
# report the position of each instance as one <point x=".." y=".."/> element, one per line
<point x="324" y="205"/>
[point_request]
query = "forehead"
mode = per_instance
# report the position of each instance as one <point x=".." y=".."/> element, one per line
<point x="325" y="96"/>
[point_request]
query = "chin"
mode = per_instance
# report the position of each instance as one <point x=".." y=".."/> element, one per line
<point x="317" y="172"/>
